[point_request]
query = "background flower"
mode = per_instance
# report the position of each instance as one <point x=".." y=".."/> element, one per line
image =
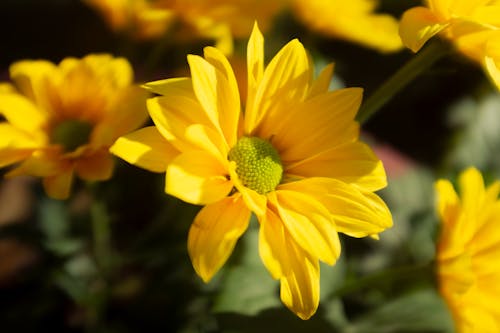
<point x="467" y="250"/>
<point x="355" y="21"/>
<point x="61" y="119"/>
<point x="472" y="26"/>
<point x="220" y="20"/>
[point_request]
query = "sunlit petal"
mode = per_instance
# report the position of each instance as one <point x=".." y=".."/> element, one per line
<point x="418" y="25"/>
<point x="309" y="223"/>
<point x="214" y="233"/>
<point x="198" y="178"/>
<point x="145" y="148"/>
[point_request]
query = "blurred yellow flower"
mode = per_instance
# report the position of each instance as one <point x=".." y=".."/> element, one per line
<point x="472" y="25"/>
<point x="220" y="20"/>
<point x="468" y="252"/>
<point x="352" y="20"/>
<point x="62" y="119"/>
<point x="292" y="157"/>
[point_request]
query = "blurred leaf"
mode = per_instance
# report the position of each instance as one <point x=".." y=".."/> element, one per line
<point x="332" y="310"/>
<point x="272" y="321"/>
<point x="332" y="277"/>
<point x="247" y="287"/>
<point x="420" y="311"/>
<point x="477" y="140"/>
<point x="53" y="218"/>
<point x="64" y="247"/>
<point x="410" y="198"/>
<point x="55" y="224"/>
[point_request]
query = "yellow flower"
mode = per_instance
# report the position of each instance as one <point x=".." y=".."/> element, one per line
<point x="138" y="17"/>
<point x="468" y="252"/>
<point x="220" y="20"/>
<point x="62" y="119"/>
<point x="352" y="20"/>
<point x="291" y="157"/>
<point x="472" y="25"/>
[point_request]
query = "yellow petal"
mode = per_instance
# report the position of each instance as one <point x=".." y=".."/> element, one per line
<point x="272" y="245"/>
<point x="220" y="32"/>
<point x="116" y="71"/>
<point x="284" y="83"/>
<point x="255" y="71"/>
<point x="170" y="86"/>
<point x="355" y="213"/>
<point x="448" y="203"/>
<point x="15" y="145"/>
<point x="352" y="163"/>
<point x="309" y="223"/>
<point x="7" y="88"/>
<point x="217" y="91"/>
<point x="379" y="31"/>
<point x="11" y="156"/>
<point x="322" y="83"/>
<point x="458" y="227"/>
<point x="488" y="15"/>
<point x="20" y="112"/>
<point x="198" y="178"/>
<point x="223" y="39"/>
<point x="41" y="164"/>
<point x="59" y="186"/>
<point x="30" y="78"/>
<point x="456" y="8"/>
<point x="472" y="191"/>
<point x="491" y="60"/>
<point x="214" y="233"/>
<point x="174" y="114"/>
<point x="128" y="113"/>
<point x="471" y="39"/>
<point x="354" y="20"/>
<point x="255" y="201"/>
<point x="457" y="272"/>
<point x="98" y="166"/>
<point x="207" y="139"/>
<point x="326" y="121"/>
<point x="418" y="25"/>
<point x="300" y="288"/>
<point x="484" y="246"/>
<point x="145" y="148"/>
<point x="228" y="96"/>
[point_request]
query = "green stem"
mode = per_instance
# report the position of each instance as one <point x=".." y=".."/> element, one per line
<point x="102" y="236"/>
<point x="422" y="61"/>
<point x="105" y="260"/>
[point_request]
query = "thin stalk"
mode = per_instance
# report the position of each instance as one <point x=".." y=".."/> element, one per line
<point x="418" y="64"/>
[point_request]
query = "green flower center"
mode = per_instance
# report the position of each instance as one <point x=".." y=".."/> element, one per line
<point x="258" y="164"/>
<point x="71" y="134"/>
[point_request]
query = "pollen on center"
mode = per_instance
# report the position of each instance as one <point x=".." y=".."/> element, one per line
<point x="258" y="164"/>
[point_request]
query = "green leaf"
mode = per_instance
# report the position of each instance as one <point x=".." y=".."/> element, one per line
<point x="477" y="138"/>
<point x="247" y="288"/>
<point x="420" y="311"/>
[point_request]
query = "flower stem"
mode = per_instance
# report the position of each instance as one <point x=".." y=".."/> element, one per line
<point x="102" y="236"/>
<point x="422" y="61"/>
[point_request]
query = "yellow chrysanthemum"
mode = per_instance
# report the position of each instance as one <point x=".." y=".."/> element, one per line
<point x="352" y="20"/>
<point x="292" y="157"/>
<point x="468" y="252"/>
<point x="62" y="119"/>
<point x="472" y="25"/>
<point x="220" y="20"/>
